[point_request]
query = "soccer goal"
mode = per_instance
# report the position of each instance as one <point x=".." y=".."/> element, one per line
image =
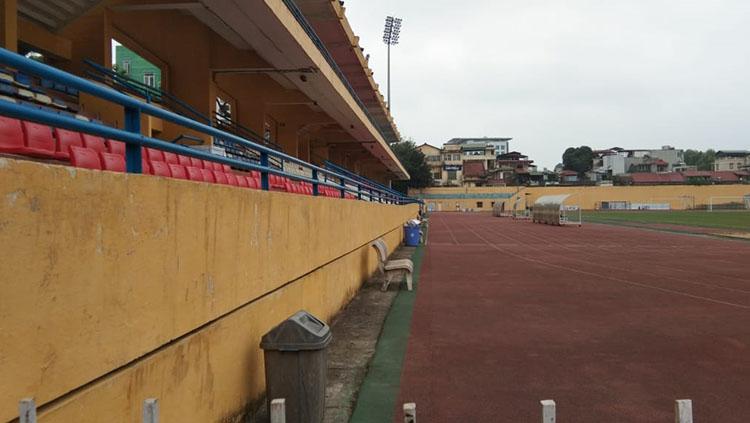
<point x="722" y="203"/>
<point x="683" y="202"/>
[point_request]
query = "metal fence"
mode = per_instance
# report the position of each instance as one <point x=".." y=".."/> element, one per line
<point x="134" y="140"/>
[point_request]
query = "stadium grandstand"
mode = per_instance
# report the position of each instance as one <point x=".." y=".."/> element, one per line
<point x="161" y="210"/>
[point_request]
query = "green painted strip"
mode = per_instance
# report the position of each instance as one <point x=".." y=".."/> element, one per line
<point x="377" y="395"/>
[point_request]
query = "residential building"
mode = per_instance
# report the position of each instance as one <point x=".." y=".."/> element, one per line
<point x="732" y="160"/>
<point x="514" y="168"/>
<point x="459" y="152"/>
<point x="501" y="145"/>
<point x="433" y="156"/>
<point x="569" y="177"/>
<point x="696" y="177"/>
<point x="472" y="162"/>
<point x="618" y="161"/>
<point x="134" y="66"/>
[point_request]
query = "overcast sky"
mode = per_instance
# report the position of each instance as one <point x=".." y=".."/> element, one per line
<point x="553" y="74"/>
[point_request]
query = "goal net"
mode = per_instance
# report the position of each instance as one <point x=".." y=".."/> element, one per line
<point x="722" y="203"/>
<point x="683" y="202"/>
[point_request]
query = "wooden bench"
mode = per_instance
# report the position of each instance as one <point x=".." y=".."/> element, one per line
<point x="392" y="269"/>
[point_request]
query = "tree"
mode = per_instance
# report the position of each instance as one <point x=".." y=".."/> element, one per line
<point x="415" y="163"/>
<point x="702" y="160"/>
<point x="578" y="159"/>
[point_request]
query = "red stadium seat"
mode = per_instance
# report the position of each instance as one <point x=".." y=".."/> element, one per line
<point x="184" y="160"/>
<point x="226" y="168"/>
<point x="217" y="166"/>
<point x="255" y="174"/>
<point x="84" y="157"/>
<point x="252" y="182"/>
<point x="220" y="177"/>
<point x="93" y="142"/>
<point x="38" y="140"/>
<point x="198" y="163"/>
<point x="154" y="155"/>
<point x="171" y="158"/>
<point x="242" y="181"/>
<point x="276" y="182"/>
<point x="160" y="169"/>
<point x="178" y="171"/>
<point x="231" y="179"/>
<point x="208" y="175"/>
<point x="65" y="139"/>
<point x="194" y="174"/>
<point x="115" y="147"/>
<point x="113" y="162"/>
<point x="11" y="136"/>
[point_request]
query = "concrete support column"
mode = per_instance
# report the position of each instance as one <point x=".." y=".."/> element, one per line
<point x="9" y="21"/>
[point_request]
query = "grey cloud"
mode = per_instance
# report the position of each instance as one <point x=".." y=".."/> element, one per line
<point x="557" y="73"/>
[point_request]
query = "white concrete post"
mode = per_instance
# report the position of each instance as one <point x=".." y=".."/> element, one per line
<point x="151" y="411"/>
<point x="410" y="412"/>
<point x="278" y="410"/>
<point x="683" y="411"/>
<point x="548" y="411"/>
<point x="27" y="411"/>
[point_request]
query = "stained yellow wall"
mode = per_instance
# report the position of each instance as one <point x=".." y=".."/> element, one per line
<point x="100" y="269"/>
<point x="586" y="197"/>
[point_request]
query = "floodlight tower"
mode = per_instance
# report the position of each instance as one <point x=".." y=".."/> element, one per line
<point x="390" y="38"/>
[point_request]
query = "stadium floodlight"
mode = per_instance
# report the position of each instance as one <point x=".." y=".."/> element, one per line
<point x="391" y="34"/>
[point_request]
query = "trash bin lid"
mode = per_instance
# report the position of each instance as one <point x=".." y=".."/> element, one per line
<point x="301" y="331"/>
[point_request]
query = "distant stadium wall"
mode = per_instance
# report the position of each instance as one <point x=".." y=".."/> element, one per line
<point x="120" y="287"/>
<point x="587" y="197"/>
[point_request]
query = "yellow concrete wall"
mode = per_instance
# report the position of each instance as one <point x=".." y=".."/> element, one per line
<point x="100" y="269"/>
<point x="587" y="197"/>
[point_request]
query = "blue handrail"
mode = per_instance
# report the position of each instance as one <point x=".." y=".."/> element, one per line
<point x="344" y="171"/>
<point x="134" y="140"/>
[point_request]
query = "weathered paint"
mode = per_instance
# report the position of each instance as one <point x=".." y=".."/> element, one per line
<point x="100" y="269"/>
<point x="586" y="197"/>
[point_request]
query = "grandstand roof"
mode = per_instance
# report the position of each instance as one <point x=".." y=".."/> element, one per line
<point x="329" y="20"/>
<point x="286" y="39"/>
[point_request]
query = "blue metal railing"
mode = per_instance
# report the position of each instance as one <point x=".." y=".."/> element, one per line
<point x="134" y="140"/>
<point x="346" y="172"/>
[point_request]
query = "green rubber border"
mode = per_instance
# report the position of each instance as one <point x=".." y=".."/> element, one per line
<point x="377" y="395"/>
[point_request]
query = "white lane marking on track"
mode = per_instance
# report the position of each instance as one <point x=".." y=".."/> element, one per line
<point x="625" y="281"/>
<point x="594" y="263"/>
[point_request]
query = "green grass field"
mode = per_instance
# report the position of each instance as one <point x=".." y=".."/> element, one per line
<point x="734" y="220"/>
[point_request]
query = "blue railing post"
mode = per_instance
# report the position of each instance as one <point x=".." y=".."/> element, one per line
<point x="264" y="173"/>
<point x="339" y="178"/>
<point x="133" y="161"/>
<point x="315" y="184"/>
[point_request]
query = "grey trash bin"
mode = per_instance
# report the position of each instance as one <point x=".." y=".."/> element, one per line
<point x="295" y="359"/>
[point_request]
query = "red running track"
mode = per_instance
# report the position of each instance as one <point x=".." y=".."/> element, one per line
<point x="613" y="323"/>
